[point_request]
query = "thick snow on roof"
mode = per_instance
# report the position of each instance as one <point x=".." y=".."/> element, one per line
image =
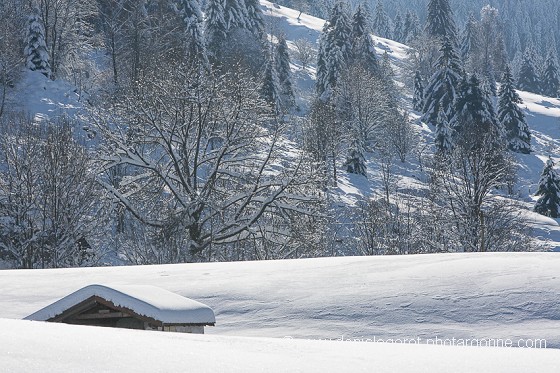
<point x="146" y="300"/>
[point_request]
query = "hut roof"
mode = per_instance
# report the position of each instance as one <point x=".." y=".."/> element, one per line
<point x="150" y="301"/>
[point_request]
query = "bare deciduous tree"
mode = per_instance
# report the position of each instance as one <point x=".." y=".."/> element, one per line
<point x="304" y="52"/>
<point x="49" y="200"/>
<point x="201" y="159"/>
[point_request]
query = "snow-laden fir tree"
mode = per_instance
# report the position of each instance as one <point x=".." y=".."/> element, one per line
<point x="340" y="31"/>
<point x="512" y="117"/>
<point x="475" y="117"/>
<point x="469" y="39"/>
<point x="551" y="76"/>
<point x="322" y="58"/>
<point x="381" y="24"/>
<point x="235" y="14"/>
<point x="443" y="134"/>
<point x="363" y="49"/>
<point x="528" y="79"/>
<point x="442" y="87"/>
<point x="36" y="55"/>
<point x="216" y="27"/>
<point x="365" y="55"/>
<point x="360" y="21"/>
<point x="549" y="192"/>
<point x="255" y="19"/>
<point x="440" y="22"/>
<point x="335" y="50"/>
<point x="355" y="160"/>
<point x="488" y="83"/>
<point x="270" y="87"/>
<point x="336" y="65"/>
<point x="282" y="62"/>
<point x="411" y="27"/>
<point x="398" y="28"/>
<point x="189" y="11"/>
<point x="418" y="94"/>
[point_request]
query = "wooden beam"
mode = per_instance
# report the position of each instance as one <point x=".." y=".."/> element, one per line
<point x="105" y="315"/>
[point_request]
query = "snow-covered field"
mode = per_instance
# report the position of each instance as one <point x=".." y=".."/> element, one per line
<point x="502" y="296"/>
<point x="41" y="347"/>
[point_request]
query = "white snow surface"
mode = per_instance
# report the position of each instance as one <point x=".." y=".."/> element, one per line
<point x="44" y="347"/>
<point x="492" y="295"/>
<point x="145" y="300"/>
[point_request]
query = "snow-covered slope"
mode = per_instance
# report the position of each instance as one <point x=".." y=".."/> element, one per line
<point x="41" y="347"/>
<point x="44" y="98"/>
<point x="502" y="295"/>
<point x="543" y="117"/>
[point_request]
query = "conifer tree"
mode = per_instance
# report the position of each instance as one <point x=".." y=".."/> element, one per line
<point x="235" y="14"/>
<point x="365" y="55"/>
<point x="270" y="87"/>
<point x="418" y="95"/>
<point x="189" y="11"/>
<point x="398" y="28"/>
<point x="37" y="57"/>
<point x="381" y="26"/>
<point x="216" y="27"/>
<point x="355" y="161"/>
<point x="340" y="31"/>
<point x="282" y="62"/>
<point x="528" y="79"/>
<point x="363" y="49"/>
<point x="335" y="50"/>
<point x="443" y="134"/>
<point x="411" y="27"/>
<point x="549" y="191"/>
<point x="442" y="87"/>
<point x="255" y="19"/>
<point x="512" y="117"/>
<point x="469" y="39"/>
<point x="359" y="23"/>
<point x="322" y="58"/>
<point x="439" y="21"/>
<point x="335" y="68"/>
<point x="489" y="81"/>
<point x="551" y="76"/>
<point x="475" y="117"/>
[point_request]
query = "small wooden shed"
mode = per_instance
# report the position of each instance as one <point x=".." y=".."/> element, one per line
<point x="131" y="307"/>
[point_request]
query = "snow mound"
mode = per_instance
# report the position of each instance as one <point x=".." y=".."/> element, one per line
<point x="489" y="295"/>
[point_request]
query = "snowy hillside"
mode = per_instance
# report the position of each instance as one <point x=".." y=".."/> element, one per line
<point x="42" y="98"/>
<point x="31" y="346"/>
<point x="543" y="117"/>
<point x="448" y="295"/>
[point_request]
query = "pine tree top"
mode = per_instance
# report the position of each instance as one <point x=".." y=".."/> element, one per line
<point x="360" y="21"/>
<point x="440" y="22"/>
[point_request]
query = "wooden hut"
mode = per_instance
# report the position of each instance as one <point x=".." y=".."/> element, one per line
<point x="131" y="307"/>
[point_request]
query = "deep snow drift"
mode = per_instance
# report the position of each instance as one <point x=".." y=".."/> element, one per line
<point x="503" y="295"/>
